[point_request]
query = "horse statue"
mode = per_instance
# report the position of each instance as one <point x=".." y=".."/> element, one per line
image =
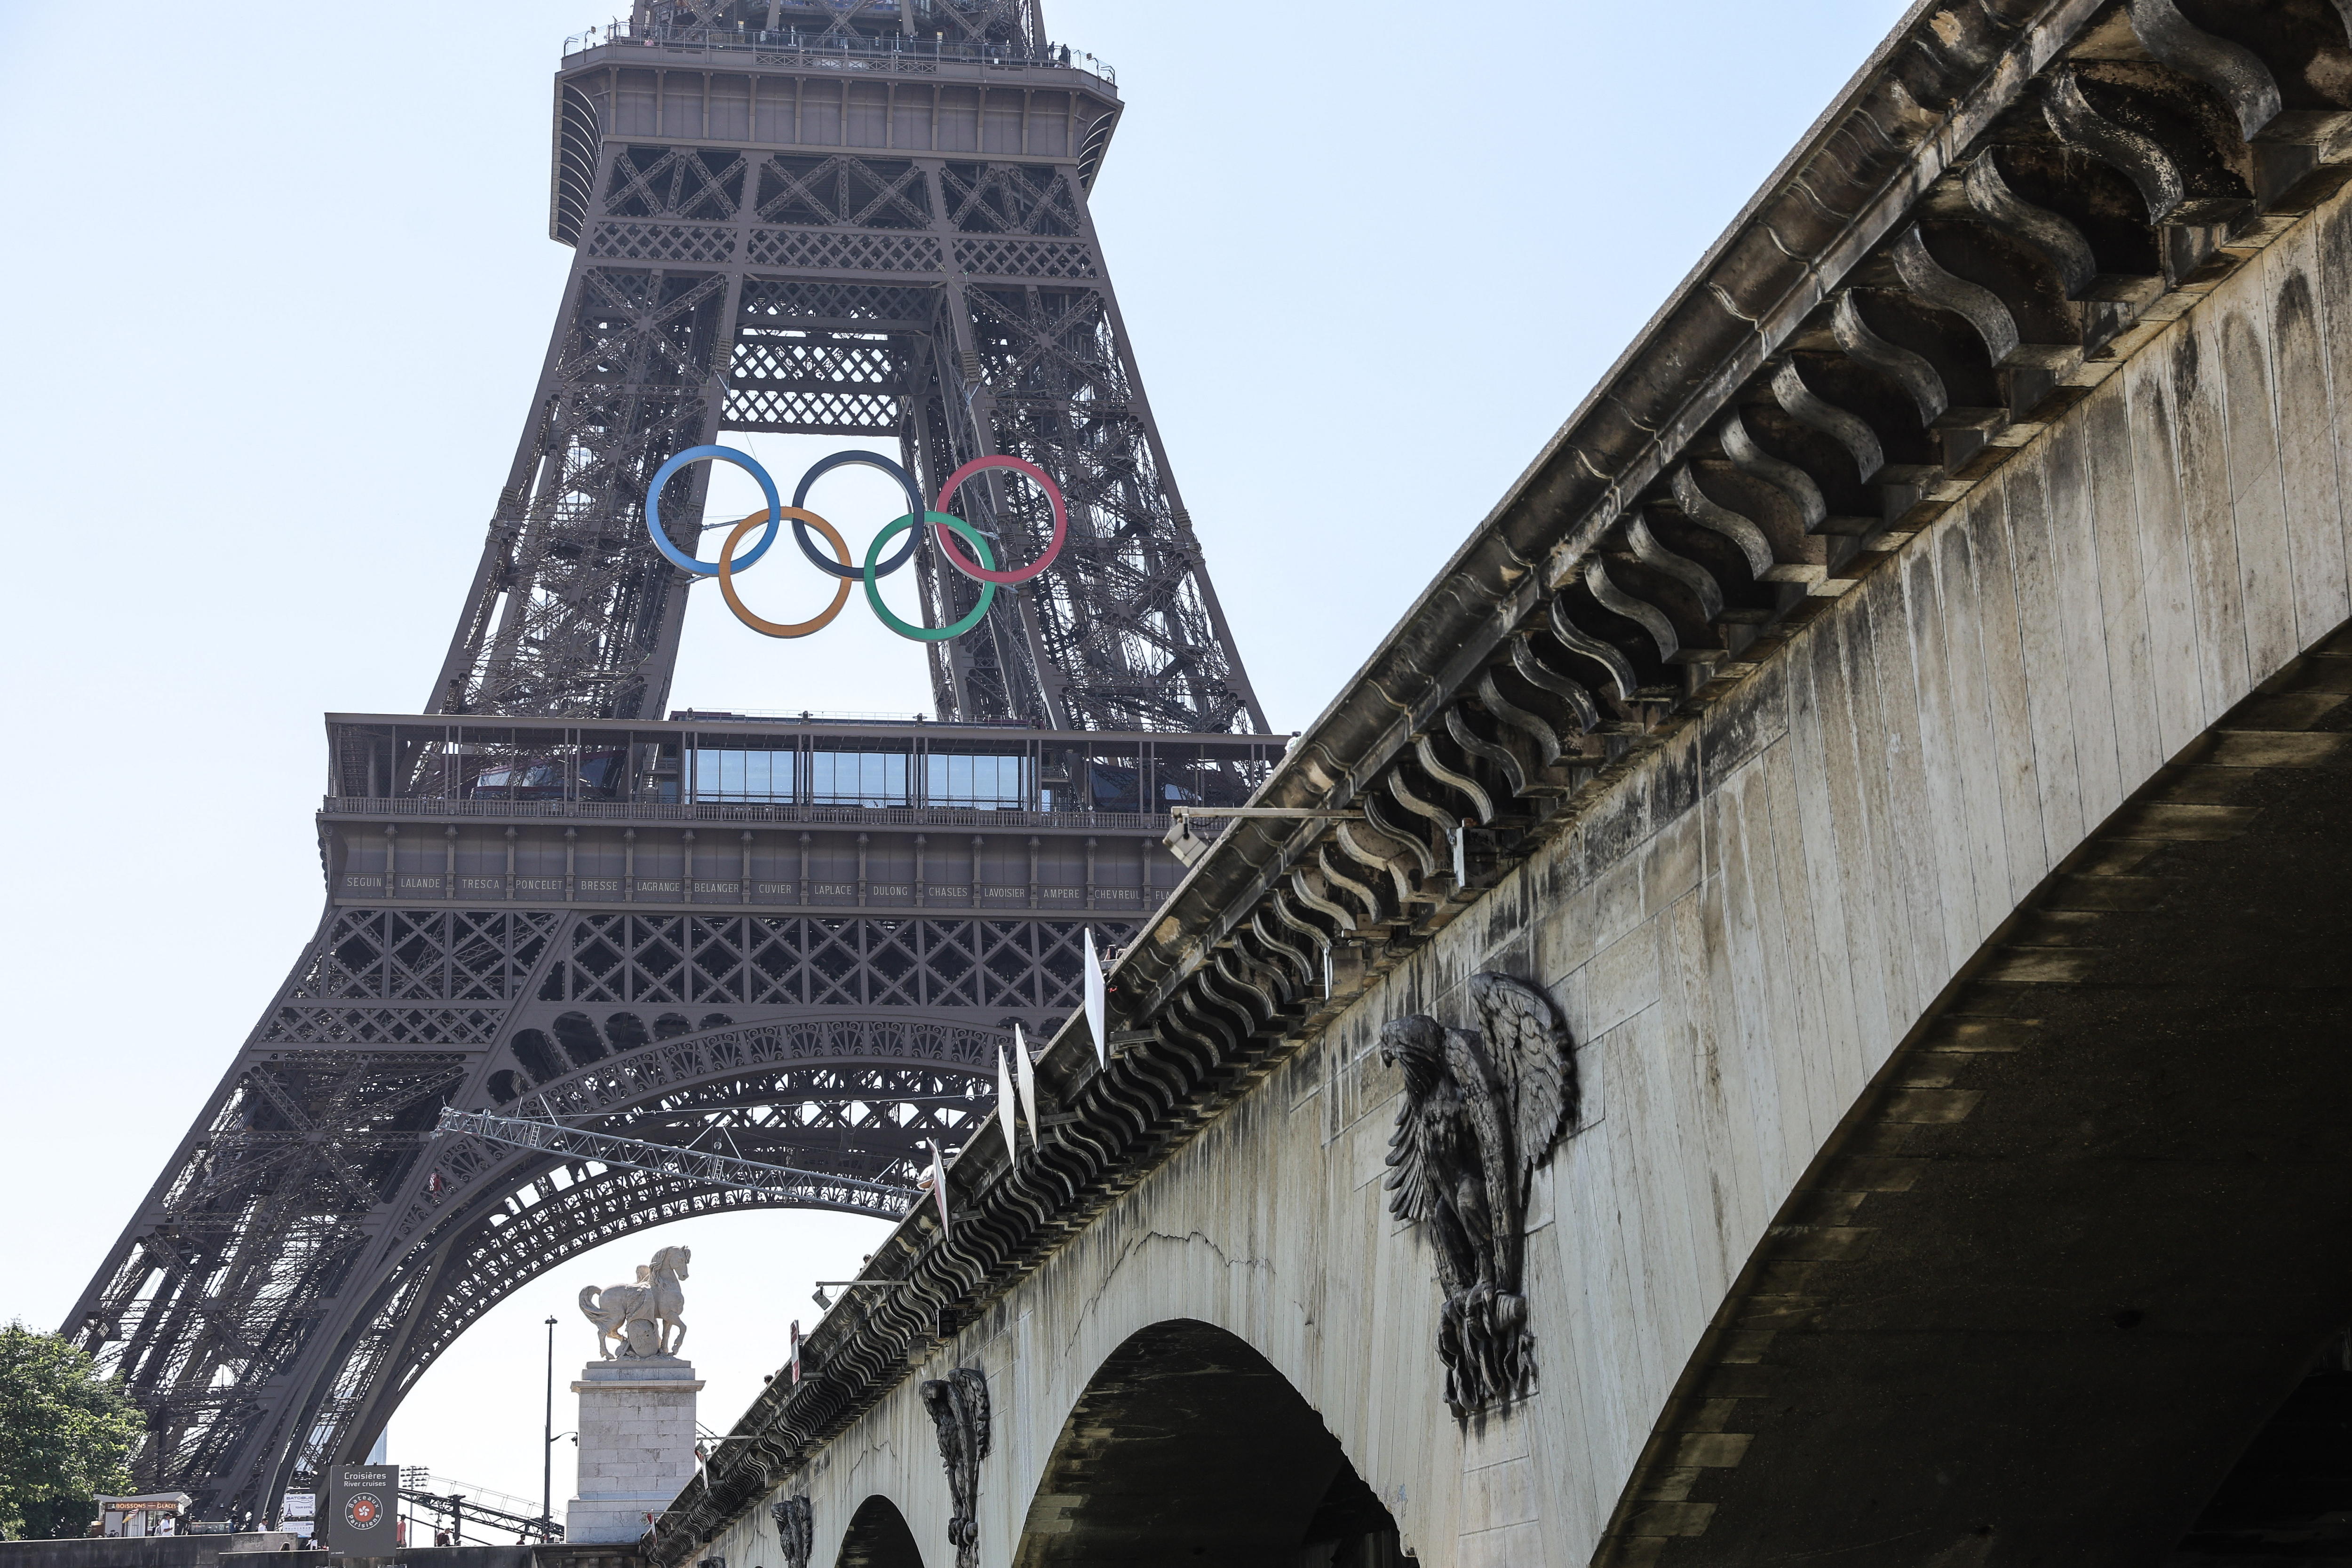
<point x="646" y="1316"/>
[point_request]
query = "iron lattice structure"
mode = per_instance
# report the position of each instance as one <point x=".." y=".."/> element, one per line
<point x="864" y="218"/>
<point x="860" y="219"/>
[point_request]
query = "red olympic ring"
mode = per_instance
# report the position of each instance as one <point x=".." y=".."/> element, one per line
<point x="971" y="569"/>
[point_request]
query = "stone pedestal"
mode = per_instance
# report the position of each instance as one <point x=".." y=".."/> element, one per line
<point x="636" y="1445"/>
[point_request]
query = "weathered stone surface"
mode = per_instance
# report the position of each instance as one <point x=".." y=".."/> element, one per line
<point x="637" y="1445"/>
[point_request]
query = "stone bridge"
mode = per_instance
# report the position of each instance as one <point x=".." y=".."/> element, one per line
<point x="1899" y="726"/>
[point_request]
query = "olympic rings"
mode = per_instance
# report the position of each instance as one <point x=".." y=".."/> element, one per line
<point x="941" y="522"/>
<point x="825" y="466"/>
<point x="778" y="629"/>
<point x="744" y="460"/>
<point x="962" y="563"/>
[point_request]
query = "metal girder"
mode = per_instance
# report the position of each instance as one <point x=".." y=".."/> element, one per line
<point x="808" y="1189"/>
<point x="311" y="1248"/>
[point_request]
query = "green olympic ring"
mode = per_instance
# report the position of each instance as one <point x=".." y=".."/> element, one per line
<point x="904" y="628"/>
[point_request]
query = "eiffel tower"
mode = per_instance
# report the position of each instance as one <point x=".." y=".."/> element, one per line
<point x="550" y="895"/>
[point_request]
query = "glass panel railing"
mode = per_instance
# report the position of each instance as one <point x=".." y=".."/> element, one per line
<point x="857" y="778"/>
<point x="726" y="773"/>
<point x="988" y="782"/>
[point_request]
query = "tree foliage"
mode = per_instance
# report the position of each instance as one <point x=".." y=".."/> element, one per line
<point x="65" y="1434"/>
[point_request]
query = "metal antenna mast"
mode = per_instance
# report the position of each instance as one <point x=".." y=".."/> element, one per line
<point x="860" y="219"/>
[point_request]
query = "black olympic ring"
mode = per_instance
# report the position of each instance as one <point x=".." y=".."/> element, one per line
<point x="825" y="466"/>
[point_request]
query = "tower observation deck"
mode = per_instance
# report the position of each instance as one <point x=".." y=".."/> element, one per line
<point x="550" y="894"/>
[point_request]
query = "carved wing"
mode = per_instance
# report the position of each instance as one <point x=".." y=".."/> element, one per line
<point x="972" y="1384"/>
<point x="1532" y="1057"/>
<point x="794" y="1530"/>
<point x="939" y="1403"/>
<point x="1413" y="1175"/>
<point x="1486" y="1106"/>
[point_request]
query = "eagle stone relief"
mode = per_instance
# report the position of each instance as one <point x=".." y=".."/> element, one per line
<point x="1481" y="1111"/>
<point x="957" y="1404"/>
<point x="795" y="1530"/>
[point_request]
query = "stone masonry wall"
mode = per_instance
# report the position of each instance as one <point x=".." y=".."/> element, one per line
<point x="637" y="1445"/>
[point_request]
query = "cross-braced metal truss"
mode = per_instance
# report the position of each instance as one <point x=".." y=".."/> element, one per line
<point x="1124" y="619"/>
<point x="1014" y="24"/>
<point x="817" y="961"/>
<point x="959" y="305"/>
<point x="254" y="1234"/>
<point x="696" y="1162"/>
<point x="1010" y="198"/>
<point x="574" y="613"/>
<point x="491" y="1218"/>
<point x="311" y="1248"/>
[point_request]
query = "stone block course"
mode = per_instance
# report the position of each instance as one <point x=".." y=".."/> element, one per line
<point x="637" y="1445"/>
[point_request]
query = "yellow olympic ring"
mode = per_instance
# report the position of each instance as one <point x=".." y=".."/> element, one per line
<point x="778" y="629"/>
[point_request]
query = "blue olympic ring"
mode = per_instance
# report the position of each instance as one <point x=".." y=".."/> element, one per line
<point x="744" y="460"/>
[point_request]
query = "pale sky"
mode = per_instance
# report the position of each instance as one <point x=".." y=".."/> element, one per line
<point x="279" y="287"/>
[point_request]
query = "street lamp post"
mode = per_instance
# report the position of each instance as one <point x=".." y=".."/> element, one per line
<point x="546" y="1446"/>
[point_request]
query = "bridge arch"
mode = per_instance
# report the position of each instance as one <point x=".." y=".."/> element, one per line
<point x="878" y="1537"/>
<point x="1187" y="1446"/>
<point x="2081" y="1245"/>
